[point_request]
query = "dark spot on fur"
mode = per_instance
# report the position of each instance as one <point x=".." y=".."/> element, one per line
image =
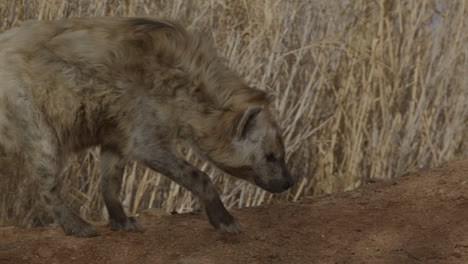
<point x="195" y="175"/>
<point x="43" y="171"/>
<point x="2" y="151"/>
<point x="53" y="189"/>
<point x="46" y="199"/>
<point x="270" y="157"/>
<point x="114" y="148"/>
<point x="279" y="142"/>
<point x="139" y="43"/>
<point x="58" y="214"/>
<point x="5" y="133"/>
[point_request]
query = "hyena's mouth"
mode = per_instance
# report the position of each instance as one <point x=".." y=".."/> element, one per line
<point x="244" y="172"/>
<point x="248" y="174"/>
<point x="274" y="186"/>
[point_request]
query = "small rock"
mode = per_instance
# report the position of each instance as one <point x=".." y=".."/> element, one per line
<point x="45" y="252"/>
<point x="463" y="243"/>
<point x="441" y="182"/>
<point x="374" y="180"/>
<point x="189" y="260"/>
<point x="228" y="239"/>
<point x="260" y="237"/>
<point x="174" y="255"/>
<point x="355" y="194"/>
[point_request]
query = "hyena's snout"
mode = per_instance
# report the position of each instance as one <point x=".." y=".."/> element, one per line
<point x="289" y="182"/>
<point x="283" y="184"/>
<point x="277" y="181"/>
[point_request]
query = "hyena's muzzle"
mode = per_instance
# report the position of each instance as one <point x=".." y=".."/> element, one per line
<point x="274" y="178"/>
<point x="277" y="179"/>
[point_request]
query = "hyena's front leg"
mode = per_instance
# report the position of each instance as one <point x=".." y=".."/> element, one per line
<point x="112" y="169"/>
<point x="183" y="173"/>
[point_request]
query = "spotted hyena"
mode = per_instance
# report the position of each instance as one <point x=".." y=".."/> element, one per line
<point x="137" y="88"/>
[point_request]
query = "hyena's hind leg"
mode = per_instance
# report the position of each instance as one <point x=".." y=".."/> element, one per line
<point x="112" y="169"/>
<point x="45" y="169"/>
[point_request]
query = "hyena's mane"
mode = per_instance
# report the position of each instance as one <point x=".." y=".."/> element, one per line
<point x="194" y="53"/>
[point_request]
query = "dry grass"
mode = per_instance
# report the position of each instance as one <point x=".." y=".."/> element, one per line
<point x="364" y="89"/>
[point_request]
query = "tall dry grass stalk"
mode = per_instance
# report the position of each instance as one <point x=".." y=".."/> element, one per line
<point x="364" y="89"/>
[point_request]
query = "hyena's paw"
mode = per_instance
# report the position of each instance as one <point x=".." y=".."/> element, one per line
<point x="130" y="224"/>
<point x="82" y="229"/>
<point x="234" y="228"/>
<point x="221" y="220"/>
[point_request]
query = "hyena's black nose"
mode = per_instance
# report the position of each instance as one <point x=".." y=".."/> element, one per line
<point x="288" y="183"/>
<point x="288" y="179"/>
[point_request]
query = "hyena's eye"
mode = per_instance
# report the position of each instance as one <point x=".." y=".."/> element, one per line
<point x="270" y="157"/>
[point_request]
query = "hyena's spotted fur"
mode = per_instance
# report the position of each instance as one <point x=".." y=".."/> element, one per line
<point x="137" y="88"/>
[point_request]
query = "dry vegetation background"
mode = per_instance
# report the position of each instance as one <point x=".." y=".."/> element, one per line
<point x="364" y="89"/>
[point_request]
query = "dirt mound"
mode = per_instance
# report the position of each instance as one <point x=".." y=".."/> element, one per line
<point x="421" y="217"/>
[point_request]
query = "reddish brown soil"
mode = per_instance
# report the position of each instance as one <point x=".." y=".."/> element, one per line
<point x="421" y="217"/>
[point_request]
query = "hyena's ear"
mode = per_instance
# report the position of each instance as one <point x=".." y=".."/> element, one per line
<point x="246" y="120"/>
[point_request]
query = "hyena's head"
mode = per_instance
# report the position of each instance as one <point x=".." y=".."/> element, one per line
<point x="256" y="151"/>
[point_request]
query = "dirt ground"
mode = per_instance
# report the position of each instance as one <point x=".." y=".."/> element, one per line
<point x="421" y="217"/>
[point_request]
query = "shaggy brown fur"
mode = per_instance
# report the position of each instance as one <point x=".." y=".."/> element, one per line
<point x="137" y="88"/>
